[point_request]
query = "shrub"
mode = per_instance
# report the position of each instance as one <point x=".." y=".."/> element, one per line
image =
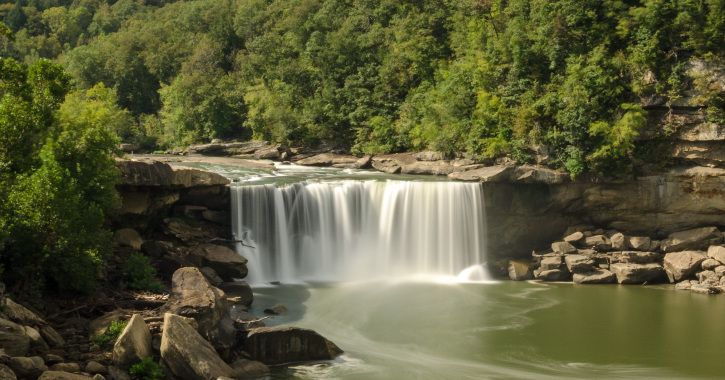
<point x="147" y="370"/>
<point x="108" y="338"/>
<point x="140" y="273"/>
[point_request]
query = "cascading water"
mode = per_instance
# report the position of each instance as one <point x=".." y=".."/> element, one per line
<point x="355" y="230"/>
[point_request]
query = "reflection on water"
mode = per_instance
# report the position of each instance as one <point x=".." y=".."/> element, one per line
<point x="433" y="330"/>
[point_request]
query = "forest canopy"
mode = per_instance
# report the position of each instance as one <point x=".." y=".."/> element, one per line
<point x="480" y="77"/>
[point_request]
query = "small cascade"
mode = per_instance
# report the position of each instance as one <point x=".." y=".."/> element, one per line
<point x="358" y="230"/>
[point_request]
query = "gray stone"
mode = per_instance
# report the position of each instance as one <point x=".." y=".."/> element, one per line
<point x="619" y="242"/>
<point x="704" y="289"/>
<point x="94" y="367"/>
<point x="52" y="337"/>
<point x="37" y="342"/>
<point x="240" y="290"/>
<point x="66" y="367"/>
<point x="716" y="252"/>
<point x="6" y="373"/>
<point x="277" y="309"/>
<point x="277" y="345"/>
<point x="549" y="263"/>
<point x="498" y="173"/>
<point x="628" y="273"/>
<point x="211" y="276"/>
<point x="710" y="264"/>
<point x="19" y="314"/>
<point x="563" y="248"/>
<point x="249" y="368"/>
<point x="58" y="375"/>
<point x="128" y="237"/>
<point x="599" y="243"/>
<point x="579" y="263"/>
<point x="14" y="344"/>
<point x="227" y="263"/>
<point x="551" y="275"/>
<point x="595" y="276"/>
<point x="682" y="265"/>
<point x="690" y="240"/>
<point x="519" y="270"/>
<point x="328" y="159"/>
<point x="708" y="277"/>
<point x="187" y="355"/>
<point x="574" y="238"/>
<point x="640" y="243"/>
<point x="133" y="345"/>
<point x="28" y="368"/>
<point x="267" y="153"/>
<point x="637" y="257"/>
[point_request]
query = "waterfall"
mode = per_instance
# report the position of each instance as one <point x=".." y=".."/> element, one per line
<point x="357" y="230"/>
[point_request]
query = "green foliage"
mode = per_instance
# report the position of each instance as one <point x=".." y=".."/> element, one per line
<point x="147" y="370"/>
<point x="140" y="273"/>
<point x="616" y="141"/>
<point x="108" y="338"/>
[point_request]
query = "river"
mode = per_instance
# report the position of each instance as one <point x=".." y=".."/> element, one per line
<point x="424" y="323"/>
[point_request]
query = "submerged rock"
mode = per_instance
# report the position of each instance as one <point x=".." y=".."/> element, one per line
<point x="277" y="345"/>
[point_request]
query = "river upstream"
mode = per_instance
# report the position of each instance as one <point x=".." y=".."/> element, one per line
<point x="388" y="269"/>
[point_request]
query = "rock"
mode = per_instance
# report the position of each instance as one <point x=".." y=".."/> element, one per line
<point x="551" y="275"/>
<point x="28" y="368"/>
<point x="716" y="252"/>
<point x="250" y="368"/>
<point x="599" y="243"/>
<point x="98" y="376"/>
<point x="328" y="159"/>
<point x="227" y="149"/>
<point x="227" y="263"/>
<point x="708" y="277"/>
<point x="58" y="375"/>
<point x="595" y="276"/>
<point x="429" y="155"/>
<point x="277" y="345"/>
<point x="188" y="355"/>
<point x="574" y="238"/>
<point x="637" y="257"/>
<point x="704" y="289"/>
<point x="171" y="263"/>
<point x="579" y="263"/>
<point x="628" y="273"/>
<point x="720" y="270"/>
<point x="246" y="321"/>
<point x="682" y="265"/>
<point x="157" y="248"/>
<point x="563" y="248"/>
<point x="552" y="262"/>
<point x="710" y="264"/>
<point x="101" y="324"/>
<point x="536" y="174"/>
<point x="118" y="374"/>
<point x="211" y="276"/>
<point x="19" y="314"/>
<point x="51" y="359"/>
<point x="692" y="240"/>
<point x="364" y="162"/>
<point x="6" y="373"/>
<point x="37" y="342"/>
<point x="619" y="242"/>
<point x="238" y="289"/>
<point x="66" y="367"/>
<point x="128" y="237"/>
<point x="277" y="309"/>
<point x="94" y="367"/>
<point x="683" y="285"/>
<point x="132" y="346"/>
<point x="267" y="153"/>
<point x="640" y="243"/>
<point x="192" y="296"/>
<point x="223" y="218"/>
<point x="14" y="344"/>
<point x="387" y="166"/>
<point x="519" y="270"/>
<point x="51" y="336"/>
<point x="498" y="173"/>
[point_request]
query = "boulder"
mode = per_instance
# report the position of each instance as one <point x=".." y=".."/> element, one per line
<point x="599" y="243"/>
<point x="710" y="264"/>
<point x="277" y="345"/>
<point x="227" y="263"/>
<point x="188" y="355"/>
<point x="683" y="285"/>
<point x="619" y="242"/>
<point x="227" y="149"/>
<point x="133" y="345"/>
<point x="250" y="368"/>
<point x="58" y="375"/>
<point x="328" y="159"/>
<point x="101" y="324"/>
<point x="239" y="289"/>
<point x="51" y="359"/>
<point x="6" y="373"/>
<point x="720" y="270"/>
<point x="28" y="368"/>
<point x="628" y="273"/>
<point x="497" y="173"/>
<point x="574" y="238"/>
<point x="211" y="276"/>
<point x="14" y="344"/>
<point x="637" y="257"/>
<point x="37" y="342"/>
<point x="364" y="162"/>
<point x="552" y="262"/>
<point x="223" y="218"/>
<point x="277" y="309"/>
<point x="682" y="265"/>
<point x="94" y="367"/>
<point x="595" y="276"/>
<point x="640" y="243"/>
<point x="716" y="252"/>
<point x="192" y="296"/>
<point x="128" y="237"/>
<point x="704" y="289"/>
<point x="519" y="270"/>
<point x="551" y="275"/>
<point x="579" y="263"/>
<point x="267" y="153"/>
<point x="52" y="337"/>
<point x="708" y="277"/>
<point x="563" y="248"/>
<point x="19" y="314"/>
<point x="692" y="240"/>
<point x="66" y="367"/>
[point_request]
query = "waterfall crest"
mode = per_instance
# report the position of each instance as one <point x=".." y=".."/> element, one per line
<point x="357" y="230"/>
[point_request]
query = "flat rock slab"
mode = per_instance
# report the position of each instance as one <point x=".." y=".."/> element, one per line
<point x="695" y="239"/>
<point x="596" y="276"/>
<point x="628" y="273"/>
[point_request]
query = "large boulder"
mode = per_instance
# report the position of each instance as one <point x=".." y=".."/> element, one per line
<point x="277" y="345"/>
<point x="716" y="252"/>
<point x="187" y="355"/>
<point x="550" y="263"/>
<point x="128" y="237"/>
<point x="240" y="290"/>
<point x="28" y="368"/>
<point x="15" y="344"/>
<point x="59" y="375"/>
<point x="19" y="314"/>
<point x="225" y="262"/>
<point x="637" y="257"/>
<point x="579" y="263"/>
<point x="692" y="240"/>
<point x="619" y="242"/>
<point x="563" y="247"/>
<point x="595" y="276"/>
<point x="682" y="265"/>
<point x="192" y="296"/>
<point x="640" y="243"/>
<point x="6" y="373"/>
<point x="599" y="243"/>
<point x="519" y="270"/>
<point x="37" y="343"/>
<point x="133" y="345"/>
<point x="628" y="273"/>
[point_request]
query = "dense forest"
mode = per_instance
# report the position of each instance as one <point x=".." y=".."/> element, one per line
<point x="483" y="78"/>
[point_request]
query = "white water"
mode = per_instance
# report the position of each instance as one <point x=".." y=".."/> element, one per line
<point x="359" y="230"/>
